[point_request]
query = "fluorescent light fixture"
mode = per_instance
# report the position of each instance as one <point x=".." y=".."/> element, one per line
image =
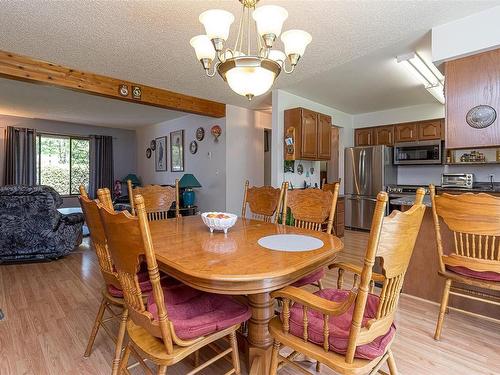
<point x="427" y="74"/>
<point x="437" y="92"/>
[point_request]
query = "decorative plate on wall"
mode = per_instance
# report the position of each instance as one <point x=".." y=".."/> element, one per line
<point x="481" y="116"/>
<point x="200" y="134"/>
<point x="148" y="153"/>
<point x="193" y="147"/>
<point x="300" y="169"/>
<point x="152" y="145"/>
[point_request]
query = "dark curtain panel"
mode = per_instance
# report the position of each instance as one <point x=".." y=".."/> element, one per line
<point x="101" y="163"/>
<point x="20" y="156"/>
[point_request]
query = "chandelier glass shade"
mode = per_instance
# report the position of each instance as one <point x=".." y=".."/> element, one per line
<point x="249" y="71"/>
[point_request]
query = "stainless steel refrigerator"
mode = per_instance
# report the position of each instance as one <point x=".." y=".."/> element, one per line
<point x="367" y="171"/>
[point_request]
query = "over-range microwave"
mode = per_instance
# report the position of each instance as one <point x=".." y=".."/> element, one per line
<point x="423" y="152"/>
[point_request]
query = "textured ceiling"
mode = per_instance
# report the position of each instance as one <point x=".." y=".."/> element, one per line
<point x="148" y="42"/>
<point x="51" y="103"/>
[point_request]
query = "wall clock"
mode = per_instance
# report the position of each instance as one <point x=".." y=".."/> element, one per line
<point x="136" y="92"/>
<point x="200" y="134"/>
<point x="193" y="147"/>
<point x="123" y="90"/>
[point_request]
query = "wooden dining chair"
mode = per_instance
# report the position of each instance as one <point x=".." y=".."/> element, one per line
<point x="112" y="301"/>
<point x="158" y="199"/>
<point x="176" y="322"/>
<point x="325" y="186"/>
<point x="352" y="331"/>
<point x="311" y="209"/>
<point x="265" y="202"/>
<point x="474" y="260"/>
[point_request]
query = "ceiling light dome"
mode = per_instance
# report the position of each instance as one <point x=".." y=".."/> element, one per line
<point x="249" y="74"/>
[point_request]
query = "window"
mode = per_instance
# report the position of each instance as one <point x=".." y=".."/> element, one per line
<point x="63" y="162"/>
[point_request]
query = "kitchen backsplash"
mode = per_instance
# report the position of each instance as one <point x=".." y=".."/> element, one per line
<point x="427" y="174"/>
<point x="297" y="180"/>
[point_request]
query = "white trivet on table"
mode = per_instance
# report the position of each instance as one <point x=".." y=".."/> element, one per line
<point x="290" y="242"/>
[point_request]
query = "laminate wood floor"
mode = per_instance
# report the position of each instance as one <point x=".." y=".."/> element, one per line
<point x="50" y="308"/>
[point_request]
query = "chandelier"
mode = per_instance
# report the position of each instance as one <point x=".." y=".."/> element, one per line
<point x="249" y="73"/>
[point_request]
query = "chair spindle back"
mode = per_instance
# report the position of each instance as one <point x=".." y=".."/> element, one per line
<point x="265" y="202"/>
<point x="129" y="242"/>
<point x="474" y="220"/>
<point x="90" y="210"/>
<point x="392" y="238"/>
<point x="312" y="207"/>
<point x="157" y="199"/>
<point x="104" y="196"/>
<point x="329" y="186"/>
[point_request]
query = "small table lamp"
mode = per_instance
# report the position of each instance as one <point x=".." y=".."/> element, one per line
<point x="132" y="177"/>
<point x="188" y="182"/>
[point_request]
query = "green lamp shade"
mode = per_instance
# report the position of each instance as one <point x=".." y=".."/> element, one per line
<point x="189" y="181"/>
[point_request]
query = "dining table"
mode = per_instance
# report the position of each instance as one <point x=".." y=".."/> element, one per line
<point x="236" y="264"/>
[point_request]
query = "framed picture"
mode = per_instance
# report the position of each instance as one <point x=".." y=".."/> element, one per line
<point x="161" y="154"/>
<point x="177" y="151"/>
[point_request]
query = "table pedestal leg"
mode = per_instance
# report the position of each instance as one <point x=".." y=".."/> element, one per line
<point x="259" y="340"/>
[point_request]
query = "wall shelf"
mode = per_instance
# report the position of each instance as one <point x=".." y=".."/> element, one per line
<point x="475" y="163"/>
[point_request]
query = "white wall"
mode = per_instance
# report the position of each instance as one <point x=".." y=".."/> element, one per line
<point x="208" y="165"/>
<point x="244" y="152"/>
<point x="124" y="143"/>
<point x="473" y="34"/>
<point x="399" y="115"/>
<point x="283" y="100"/>
<point x="424" y="175"/>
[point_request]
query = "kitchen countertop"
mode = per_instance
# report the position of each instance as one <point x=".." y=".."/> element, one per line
<point x="479" y="187"/>
<point x="409" y="200"/>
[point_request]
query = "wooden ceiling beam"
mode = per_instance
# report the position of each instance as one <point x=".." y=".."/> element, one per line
<point x="22" y="68"/>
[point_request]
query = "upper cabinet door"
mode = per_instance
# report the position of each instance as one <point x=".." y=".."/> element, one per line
<point x="429" y="130"/>
<point x="406" y="132"/>
<point x="384" y="135"/>
<point x="363" y="137"/>
<point x="309" y="134"/>
<point x="472" y="81"/>
<point x="324" y="137"/>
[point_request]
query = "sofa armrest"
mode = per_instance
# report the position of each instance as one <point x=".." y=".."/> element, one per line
<point x="73" y="218"/>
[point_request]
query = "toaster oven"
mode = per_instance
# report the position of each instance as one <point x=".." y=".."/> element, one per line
<point x="457" y="180"/>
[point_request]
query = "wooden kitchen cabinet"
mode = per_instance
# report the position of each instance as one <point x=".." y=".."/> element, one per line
<point x="407" y="132"/>
<point x="324" y="137"/>
<point x="429" y="130"/>
<point x="363" y="137"/>
<point x="472" y="81"/>
<point x="310" y="133"/>
<point x="384" y="135"/>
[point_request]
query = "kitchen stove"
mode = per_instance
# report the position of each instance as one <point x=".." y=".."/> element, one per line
<point x="396" y="191"/>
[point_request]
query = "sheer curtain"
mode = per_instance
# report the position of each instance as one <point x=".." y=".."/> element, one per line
<point x="101" y="163"/>
<point x="20" y="156"/>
